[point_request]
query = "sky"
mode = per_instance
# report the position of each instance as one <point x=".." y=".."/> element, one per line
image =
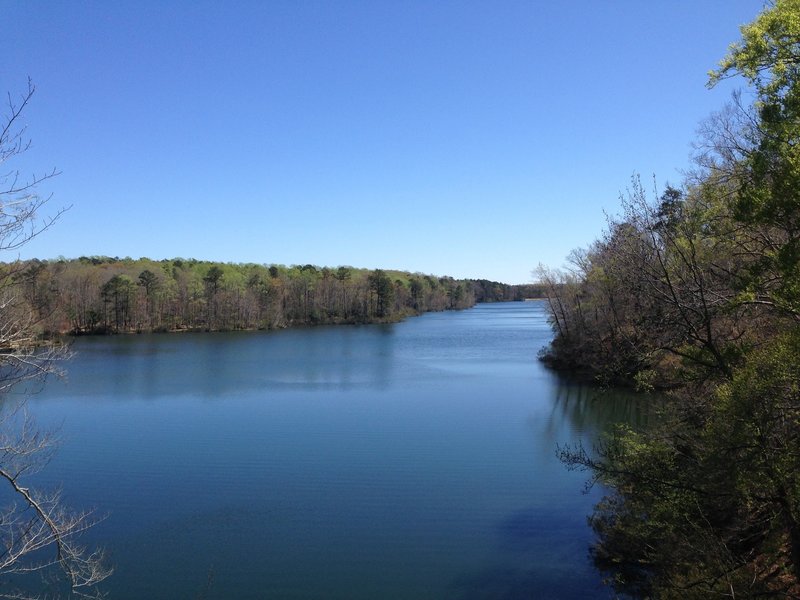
<point x="470" y="139"/>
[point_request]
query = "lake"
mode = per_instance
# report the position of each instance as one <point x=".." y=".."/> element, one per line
<point x="412" y="460"/>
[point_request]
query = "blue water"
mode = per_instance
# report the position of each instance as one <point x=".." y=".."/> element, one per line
<point x="412" y="460"/>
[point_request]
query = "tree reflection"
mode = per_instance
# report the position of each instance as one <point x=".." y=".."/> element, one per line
<point x="594" y="410"/>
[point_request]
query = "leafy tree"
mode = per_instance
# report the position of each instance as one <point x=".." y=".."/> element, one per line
<point x="118" y="293"/>
<point x="416" y="292"/>
<point x="382" y="290"/>
<point x="768" y="56"/>
<point x="707" y="504"/>
<point x="343" y="275"/>
<point x="755" y="429"/>
<point x="212" y="281"/>
<point x="213" y="278"/>
<point x="149" y="282"/>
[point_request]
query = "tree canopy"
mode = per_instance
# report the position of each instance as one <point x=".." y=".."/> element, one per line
<point x="696" y="290"/>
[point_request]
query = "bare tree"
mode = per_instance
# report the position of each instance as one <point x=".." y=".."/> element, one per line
<point x="38" y="535"/>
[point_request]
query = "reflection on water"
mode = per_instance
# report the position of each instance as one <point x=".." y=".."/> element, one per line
<point x="212" y="365"/>
<point x="593" y="409"/>
<point x="412" y="460"/>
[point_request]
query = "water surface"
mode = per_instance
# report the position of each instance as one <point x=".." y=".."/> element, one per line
<point x="413" y="460"/>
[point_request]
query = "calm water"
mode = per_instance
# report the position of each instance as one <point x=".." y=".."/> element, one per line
<point x="414" y="460"/>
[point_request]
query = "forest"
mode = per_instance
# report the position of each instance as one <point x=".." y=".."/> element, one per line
<point x="98" y="294"/>
<point x="693" y="293"/>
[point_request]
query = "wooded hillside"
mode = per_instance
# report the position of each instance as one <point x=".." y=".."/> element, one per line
<point x="102" y="294"/>
<point x="697" y="289"/>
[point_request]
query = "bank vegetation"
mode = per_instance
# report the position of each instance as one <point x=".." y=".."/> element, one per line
<point x="695" y="289"/>
<point x="99" y="294"/>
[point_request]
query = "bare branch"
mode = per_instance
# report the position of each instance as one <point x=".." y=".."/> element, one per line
<point x="37" y="533"/>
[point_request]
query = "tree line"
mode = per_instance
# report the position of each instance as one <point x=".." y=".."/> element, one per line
<point x="104" y="295"/>
<point x="695" y="289"/>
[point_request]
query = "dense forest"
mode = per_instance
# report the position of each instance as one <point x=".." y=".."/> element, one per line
<point x="696" y="290"/>
<point x="109" y="295"/>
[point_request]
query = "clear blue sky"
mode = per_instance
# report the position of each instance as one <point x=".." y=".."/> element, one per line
<point x="472" y="139"/>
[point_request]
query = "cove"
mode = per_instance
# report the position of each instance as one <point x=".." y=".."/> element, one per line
<point x="408" y="460"/>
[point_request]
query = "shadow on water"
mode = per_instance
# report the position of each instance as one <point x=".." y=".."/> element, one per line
<point x="545" y="545"/>
<point x="551" y="568"/>
<point x="530" y="529"/>
<point x="551" y="558"/>
<point x="508" y="584"/>
<point x="591" y="410"/>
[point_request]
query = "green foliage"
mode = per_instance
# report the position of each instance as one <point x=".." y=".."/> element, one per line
<point x="700" y="290"/>
<point x="757" y="420"/>
<point x="708" y="503"/>
<point x="117" y="294"/>
<point x="101" y="294"/>
<point x="148" y="280"/>
<point x="653" y="293"/>
<point x="380" y="286"/>
<point x="768" y="56"/>
<point x="767" y="53"/>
